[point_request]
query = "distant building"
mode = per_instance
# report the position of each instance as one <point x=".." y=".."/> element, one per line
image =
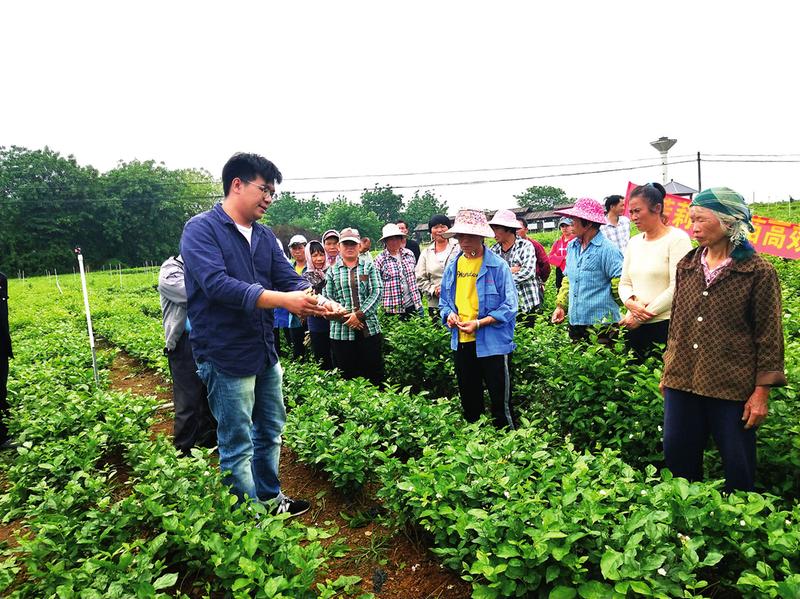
<point x="679" y="189"/>
<point x="543" y="220"/>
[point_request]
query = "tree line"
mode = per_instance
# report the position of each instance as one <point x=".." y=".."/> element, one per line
<point x="135" y="212"/>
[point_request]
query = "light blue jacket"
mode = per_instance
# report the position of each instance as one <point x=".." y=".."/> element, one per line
<point x="497" y="297"/>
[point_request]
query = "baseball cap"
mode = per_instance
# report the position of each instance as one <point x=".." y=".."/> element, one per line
<point x="297" y="239"/>
<point x="350" y="234"/>
<point x="330" y="233"/>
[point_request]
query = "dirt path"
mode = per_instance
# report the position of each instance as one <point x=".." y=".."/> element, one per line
<point x="391" y="565"/>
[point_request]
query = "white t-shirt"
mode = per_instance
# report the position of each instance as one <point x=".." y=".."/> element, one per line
<point x="246" y="231"/>
<point x="648" y="271"/>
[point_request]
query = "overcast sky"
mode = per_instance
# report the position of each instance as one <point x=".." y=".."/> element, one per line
<point x="351" y="88"/>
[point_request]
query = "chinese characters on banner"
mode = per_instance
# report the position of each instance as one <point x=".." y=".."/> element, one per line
<point x="773" y="237"/>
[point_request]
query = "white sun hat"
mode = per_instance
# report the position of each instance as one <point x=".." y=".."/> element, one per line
<point x="391" y="230"/>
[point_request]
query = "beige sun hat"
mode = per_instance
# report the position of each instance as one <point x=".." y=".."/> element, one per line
<point x="505" y="218"/>
<point x="470" y="222"/>
<point x="391" y="230"/>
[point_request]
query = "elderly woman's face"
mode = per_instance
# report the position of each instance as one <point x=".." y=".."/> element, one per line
<point x="318" y="259"/>
<point x="393" y="244"/>
<point x="332" y="246"/>
<point x="437" y="230"/>
<point x="706" y="228"/>
<point x="470" y="244"/>
<point x="298" y="251"/>
<point x="502" y="234"/>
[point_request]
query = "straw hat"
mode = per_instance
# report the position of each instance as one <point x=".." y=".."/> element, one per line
<point x="587" y="209"/>
<point x="505" y="218"/>
<point x="470" y="222"/>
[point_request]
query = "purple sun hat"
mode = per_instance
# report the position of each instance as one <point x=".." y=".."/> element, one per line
<point x="587" y="209"/>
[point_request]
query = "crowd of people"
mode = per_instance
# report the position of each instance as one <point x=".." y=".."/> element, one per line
<point x="715" y="308"/>
<point x="227" y="295"/>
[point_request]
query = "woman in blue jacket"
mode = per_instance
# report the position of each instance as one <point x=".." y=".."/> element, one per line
<point x="479" y="304"/>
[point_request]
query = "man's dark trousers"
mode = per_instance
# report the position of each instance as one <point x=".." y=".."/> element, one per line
<point x="194" y="424"/>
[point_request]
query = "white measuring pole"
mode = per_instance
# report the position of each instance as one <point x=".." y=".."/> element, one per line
<point x="88" y="315"/>
<point x="61" y="291"/>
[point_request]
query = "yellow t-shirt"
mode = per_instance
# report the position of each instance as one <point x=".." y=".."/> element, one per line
<point x="299" y="268"/>
<point x="467" y="292"/>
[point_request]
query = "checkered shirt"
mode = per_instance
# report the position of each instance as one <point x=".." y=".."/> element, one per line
<point x="337" y="288"/>
<point x="394" y="300"/>
<point x="620" y="234"/>
<point x="523" y="254"/>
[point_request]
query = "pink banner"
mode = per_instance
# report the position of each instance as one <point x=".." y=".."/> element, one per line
<point x="773" y="237"/>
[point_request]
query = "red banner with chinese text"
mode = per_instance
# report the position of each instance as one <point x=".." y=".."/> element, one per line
<point x="774" y="237"/>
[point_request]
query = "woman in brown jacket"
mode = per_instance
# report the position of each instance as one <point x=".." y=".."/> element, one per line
<point x="725" y="346"/>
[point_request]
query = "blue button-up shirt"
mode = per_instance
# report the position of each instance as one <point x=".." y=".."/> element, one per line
<point x="590" y="272"/>
<point x="224" y="278"/>
<point x="497" y="297"/>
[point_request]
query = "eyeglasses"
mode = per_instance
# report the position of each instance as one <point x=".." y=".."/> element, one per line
<point x="264" y="189"/>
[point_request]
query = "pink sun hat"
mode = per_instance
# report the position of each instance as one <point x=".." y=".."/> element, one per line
<point x="587" y="209"/>
<point x="505" y="218"/>
<point x="470" y="222"/>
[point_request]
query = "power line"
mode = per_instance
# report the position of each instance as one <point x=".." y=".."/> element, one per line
<point x="505" y="180"/>
<point x="748" y="161"/>
<point x="750" y="155"/>
<point x="39" y="188"/>
<point x="479" y="170"/>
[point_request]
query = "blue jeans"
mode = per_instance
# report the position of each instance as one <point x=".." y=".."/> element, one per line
<point x="689" y="419"/>
<point x="250" y="418"/>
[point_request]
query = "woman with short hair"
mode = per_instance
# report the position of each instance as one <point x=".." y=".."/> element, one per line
<point x="318" y="327"/>
<point x="725" y="346"/>
<point x="433" y="260"/>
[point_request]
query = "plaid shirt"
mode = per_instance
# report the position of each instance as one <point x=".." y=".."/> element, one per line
<point x="523" y="254"/>
<point x="620" y="234"/>
<point x="337" y="288"/>
<point x="394" y="300"/>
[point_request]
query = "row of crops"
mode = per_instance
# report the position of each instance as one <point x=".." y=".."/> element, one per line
<point x="103" y="510"/>
<point x="571" y="504"/>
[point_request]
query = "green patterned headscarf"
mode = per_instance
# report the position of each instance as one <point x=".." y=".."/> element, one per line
<point x="732" y="211"/>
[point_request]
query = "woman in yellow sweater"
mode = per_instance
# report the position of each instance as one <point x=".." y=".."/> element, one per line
<point x="647" y="283"/>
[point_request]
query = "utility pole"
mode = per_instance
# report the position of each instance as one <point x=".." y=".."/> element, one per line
<point x="699" y="178"/>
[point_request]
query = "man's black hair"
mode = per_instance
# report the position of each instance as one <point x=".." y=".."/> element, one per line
<point x="523" y="221"/>
<point x="247" y="167"/>
<point x="612" y="201"/>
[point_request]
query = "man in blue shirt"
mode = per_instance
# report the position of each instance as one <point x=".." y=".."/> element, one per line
<point x="236" y="274"/>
